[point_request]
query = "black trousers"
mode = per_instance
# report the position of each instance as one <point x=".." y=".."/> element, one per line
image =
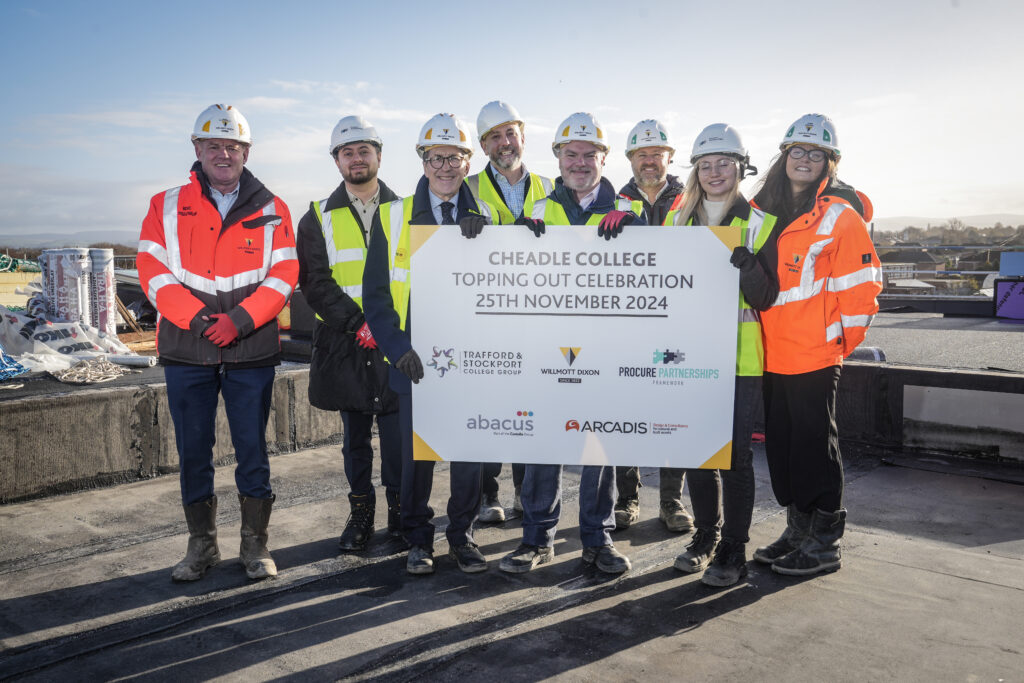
<point x="357" y="451"/>
<point x="731" y="491"/>
<point x="802" y="440"/>
<point x="417" y="482"/>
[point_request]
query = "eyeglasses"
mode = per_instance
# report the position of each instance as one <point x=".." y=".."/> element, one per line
<point x="814" y="155"/>
<point x="720" y="165"/>
<point x="455" y="160"/>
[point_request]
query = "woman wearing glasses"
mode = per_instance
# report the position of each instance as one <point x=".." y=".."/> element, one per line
<point x="829" y="276"/>
<point x="712" y="197"/>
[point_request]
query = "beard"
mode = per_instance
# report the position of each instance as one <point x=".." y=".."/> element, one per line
<point x="651" y="178"/>
<point x="505" y="164"/>
<point x="360" y="176"/>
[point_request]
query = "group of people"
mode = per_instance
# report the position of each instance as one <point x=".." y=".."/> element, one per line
<point x="219" y="259"/>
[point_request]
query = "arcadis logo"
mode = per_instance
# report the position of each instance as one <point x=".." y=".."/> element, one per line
<point x="519" y="425"/>
<point x="606" y="427"/>
<point x="443" y="360"/>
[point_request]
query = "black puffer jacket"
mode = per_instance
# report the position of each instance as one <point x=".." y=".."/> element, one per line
<point x="342" y="375"/>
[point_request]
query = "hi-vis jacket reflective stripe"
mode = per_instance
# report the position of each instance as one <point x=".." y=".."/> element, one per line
<point x="346" y="248"/>
<point x="483" y="189"/>
<point x="190" y="261"/>
<point x="829" y="276"/>
<point x="552" y="213"/>
<point x="394" y="220"/>
<point x="754" y="232"/>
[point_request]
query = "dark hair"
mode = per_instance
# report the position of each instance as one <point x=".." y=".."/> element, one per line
<point x="775" y="192"/>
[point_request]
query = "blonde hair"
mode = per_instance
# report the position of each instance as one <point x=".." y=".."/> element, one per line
<point x="693" y="196"/>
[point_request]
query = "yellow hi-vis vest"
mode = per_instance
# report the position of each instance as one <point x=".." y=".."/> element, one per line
<point x="552" y="213"/>
<point x="394" y="219"/>
<point x="346" y="248"/>
<point x="749" y="339"/>
<point x="483" y="189"/>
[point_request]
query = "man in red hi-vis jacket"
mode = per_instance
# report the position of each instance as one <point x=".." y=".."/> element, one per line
<point x="217" y="260"/>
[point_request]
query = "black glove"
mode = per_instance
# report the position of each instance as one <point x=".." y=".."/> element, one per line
<point x="743" y="259"/>
<point x="355" y="322"/>
<point x="410" y="366"/>
<point x="536" y="225"/>
<point x="613" y="222"/>
<point x="472" y="225"/>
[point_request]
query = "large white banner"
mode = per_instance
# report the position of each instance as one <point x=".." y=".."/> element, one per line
<point x="570" y="349"/>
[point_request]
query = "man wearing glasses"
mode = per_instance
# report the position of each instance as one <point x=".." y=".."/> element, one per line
<point x="441" y="198"/>
<point x="506" y="184"/>
<point x="217" y="260"/>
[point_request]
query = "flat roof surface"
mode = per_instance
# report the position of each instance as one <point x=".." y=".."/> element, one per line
<point x="931" y="588"/>
<point x="931" y="339"/>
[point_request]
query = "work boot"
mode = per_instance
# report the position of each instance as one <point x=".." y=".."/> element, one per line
<point x="202" y="552"/>
<point x="517" y="501"/>
<point x="395" y="520"/>
<point x="420" y="560"/>
<point x="675" y="516"/>
<point x="607" y="558"/>
<point x="253" y="553"/>
<point x="698" y="552"/>
<point x="491" y="511"/>
<point x="359" y="527"/>
<point x="525" y="558"/>
<point x="627" y="511"/>
<point x="728" y="566"/>
<point x="819" y="551"/>
<point x="797" y="525"/>
<point x="468" y="557"/>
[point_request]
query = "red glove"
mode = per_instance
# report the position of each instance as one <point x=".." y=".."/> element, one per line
<point x="222" y="331"/>
<point x="365" y="338"/>
<point x="613" y="222"/>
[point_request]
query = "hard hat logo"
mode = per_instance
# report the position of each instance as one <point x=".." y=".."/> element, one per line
<point x="808" y="126"/>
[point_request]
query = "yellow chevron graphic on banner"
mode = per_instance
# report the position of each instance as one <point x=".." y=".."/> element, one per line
<point x="421" y="451"/>
<point x="722" y="460"/>
<point x="419" y="235"/>
<point x="729" y="234"/>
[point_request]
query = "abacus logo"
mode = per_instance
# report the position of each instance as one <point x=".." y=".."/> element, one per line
<point x="519" y="425"/>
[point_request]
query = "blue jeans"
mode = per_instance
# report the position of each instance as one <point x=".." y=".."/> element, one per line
<point x="192" y="395"/>
<point x="542" y="504"/>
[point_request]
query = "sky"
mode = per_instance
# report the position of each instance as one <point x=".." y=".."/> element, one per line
<point x="926" y="95"/>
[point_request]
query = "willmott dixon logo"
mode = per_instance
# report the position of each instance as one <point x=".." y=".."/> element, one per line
<point x="571" y="353"/>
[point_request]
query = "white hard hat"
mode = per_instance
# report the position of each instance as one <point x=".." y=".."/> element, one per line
<point x="495" y="114"/>
<point x="353" y="129"/>
<point x="648" y="133"/>
<point x="444" y="129"/>
<point x="580" y="126"/>
<point x="224" y="122"/>
<point x="718" y="138"/>
<point x="814" y="129"/>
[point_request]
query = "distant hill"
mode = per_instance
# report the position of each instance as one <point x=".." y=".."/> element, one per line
<point x="983" y="221"/>
<point x="56" y="240"/>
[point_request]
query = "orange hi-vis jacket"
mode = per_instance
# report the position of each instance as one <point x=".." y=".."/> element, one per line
<point x="829" y="276"/>
<point x="192" y="263"/>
